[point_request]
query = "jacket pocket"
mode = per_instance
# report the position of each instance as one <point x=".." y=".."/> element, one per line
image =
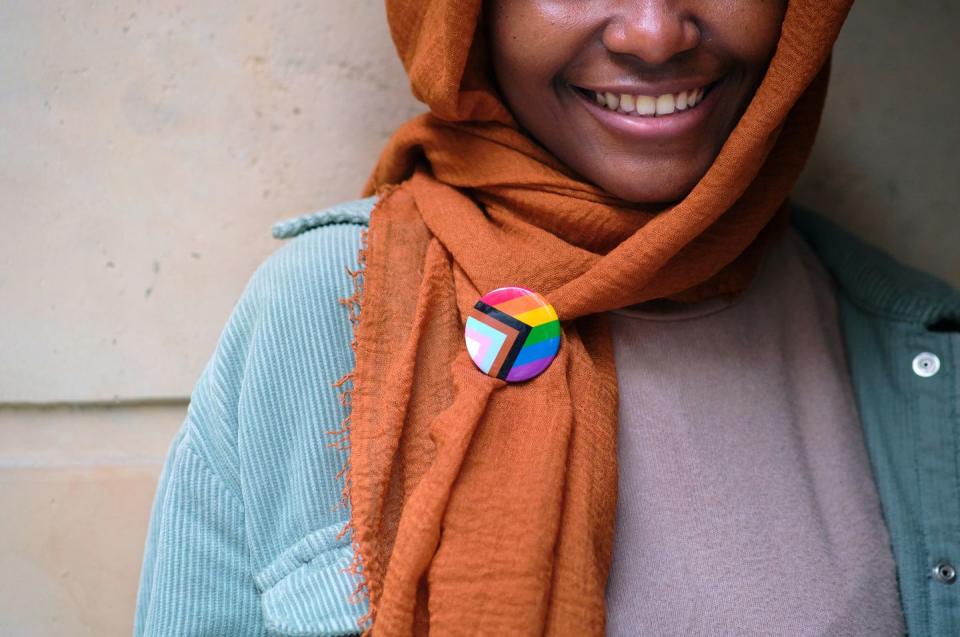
<point x="305" y="591"/>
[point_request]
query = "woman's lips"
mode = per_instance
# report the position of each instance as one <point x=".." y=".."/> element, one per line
<point x="661" y="124"/>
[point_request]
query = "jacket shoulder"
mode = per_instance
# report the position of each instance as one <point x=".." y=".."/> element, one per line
<point x="312" y="266"/>
<point x="356" y="212"/>
<point x="873" y="279"/>
<point x="293" y="297"/>
<point x="251" y="497"/>
<point x="264" y="409"/>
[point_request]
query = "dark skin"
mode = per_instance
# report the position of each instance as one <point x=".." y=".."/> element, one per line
<point x="552" y="58"/>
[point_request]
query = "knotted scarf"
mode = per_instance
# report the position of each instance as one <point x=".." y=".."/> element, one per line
<point x="482" y="507"/>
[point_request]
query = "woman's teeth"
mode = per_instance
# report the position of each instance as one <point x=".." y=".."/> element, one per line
<point x="647" y="106"/>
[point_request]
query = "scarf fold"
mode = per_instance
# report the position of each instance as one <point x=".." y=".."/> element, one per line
<point x="481" y="507"/>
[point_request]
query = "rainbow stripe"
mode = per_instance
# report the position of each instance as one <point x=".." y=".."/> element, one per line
<point x="512" y="334"/>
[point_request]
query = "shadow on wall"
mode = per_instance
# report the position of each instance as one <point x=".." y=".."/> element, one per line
<point x="887" y="158"/>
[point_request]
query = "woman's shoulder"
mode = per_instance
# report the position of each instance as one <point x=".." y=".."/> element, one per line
<point x="265" y="413"/>
<point x="301" y="286"/>
<point x="291" y="329"/>
<point x="295" y="298"/>
<point x="872" y="279"/>
<point x="322" y="244"/>
<point x="251" y="496"/>
<point x="300" y="290"/>
<point x="269" y="383"/>
<point x="351" y="213"/>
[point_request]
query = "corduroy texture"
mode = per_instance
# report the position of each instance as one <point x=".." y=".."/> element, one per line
<point x="485" y="508"/>
<point x="242" y="538"/>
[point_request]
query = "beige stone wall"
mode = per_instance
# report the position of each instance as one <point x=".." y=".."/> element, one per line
<point x="145" y="149"/>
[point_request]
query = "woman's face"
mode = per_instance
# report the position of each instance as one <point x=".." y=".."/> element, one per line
<point x="607" y="85"/>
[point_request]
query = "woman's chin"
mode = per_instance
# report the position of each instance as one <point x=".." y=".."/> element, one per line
<point x="643" y="193"/>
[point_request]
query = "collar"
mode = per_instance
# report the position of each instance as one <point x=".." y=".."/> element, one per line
<point x="874" y="280"/>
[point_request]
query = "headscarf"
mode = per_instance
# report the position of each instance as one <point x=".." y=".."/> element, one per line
<point x="485" y="507"/>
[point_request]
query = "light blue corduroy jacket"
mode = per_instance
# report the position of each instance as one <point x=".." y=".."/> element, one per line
<point x="243" y="534"/>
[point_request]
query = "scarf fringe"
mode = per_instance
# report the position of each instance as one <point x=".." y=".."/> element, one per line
<point x="341" y="436"/>
<point x="341" y="441"/>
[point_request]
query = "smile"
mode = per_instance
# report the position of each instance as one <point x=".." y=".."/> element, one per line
<point x="648" y="118"/>
<point x="648" y="105"/>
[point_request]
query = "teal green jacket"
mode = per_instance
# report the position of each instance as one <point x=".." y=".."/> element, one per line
<point x="243" y="537"/>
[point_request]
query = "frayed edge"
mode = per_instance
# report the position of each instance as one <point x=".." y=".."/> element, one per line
<point x="341" y="436"/>
<point x="341" y="440"/>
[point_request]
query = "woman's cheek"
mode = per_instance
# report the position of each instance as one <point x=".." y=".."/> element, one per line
<point x="748" y="29"/>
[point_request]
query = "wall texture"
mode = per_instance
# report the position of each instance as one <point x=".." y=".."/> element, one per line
<point x="145" y="149"/>
<point x="887" y="160"/>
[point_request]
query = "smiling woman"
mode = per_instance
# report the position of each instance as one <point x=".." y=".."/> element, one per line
<point x="646" y="64"/>
<point x="593" y="372"/>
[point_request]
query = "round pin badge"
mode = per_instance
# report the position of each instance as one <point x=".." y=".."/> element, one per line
<point x="512" y="334"/>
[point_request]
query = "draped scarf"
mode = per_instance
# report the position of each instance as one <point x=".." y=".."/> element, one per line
<point x="479" y="506"/>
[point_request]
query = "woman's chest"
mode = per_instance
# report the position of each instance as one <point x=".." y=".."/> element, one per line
<point x="745" y="488"/>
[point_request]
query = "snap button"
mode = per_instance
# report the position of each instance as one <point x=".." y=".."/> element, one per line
<point x="944" y="572"/>
<point x="926" y="364"/>
<point x="512" y="333"/>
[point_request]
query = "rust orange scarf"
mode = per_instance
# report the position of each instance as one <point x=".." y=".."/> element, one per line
<point x="481" y="507"/>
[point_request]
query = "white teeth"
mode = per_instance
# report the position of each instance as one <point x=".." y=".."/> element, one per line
<point x="682" y="100"/>
<point x="665" y="104"/>
<point x="647" y="105"/>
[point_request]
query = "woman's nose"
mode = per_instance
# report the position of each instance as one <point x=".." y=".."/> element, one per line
<point x="652" y="30"/>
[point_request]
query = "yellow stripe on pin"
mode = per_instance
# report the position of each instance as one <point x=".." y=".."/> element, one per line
<point x="539" y="316"/>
